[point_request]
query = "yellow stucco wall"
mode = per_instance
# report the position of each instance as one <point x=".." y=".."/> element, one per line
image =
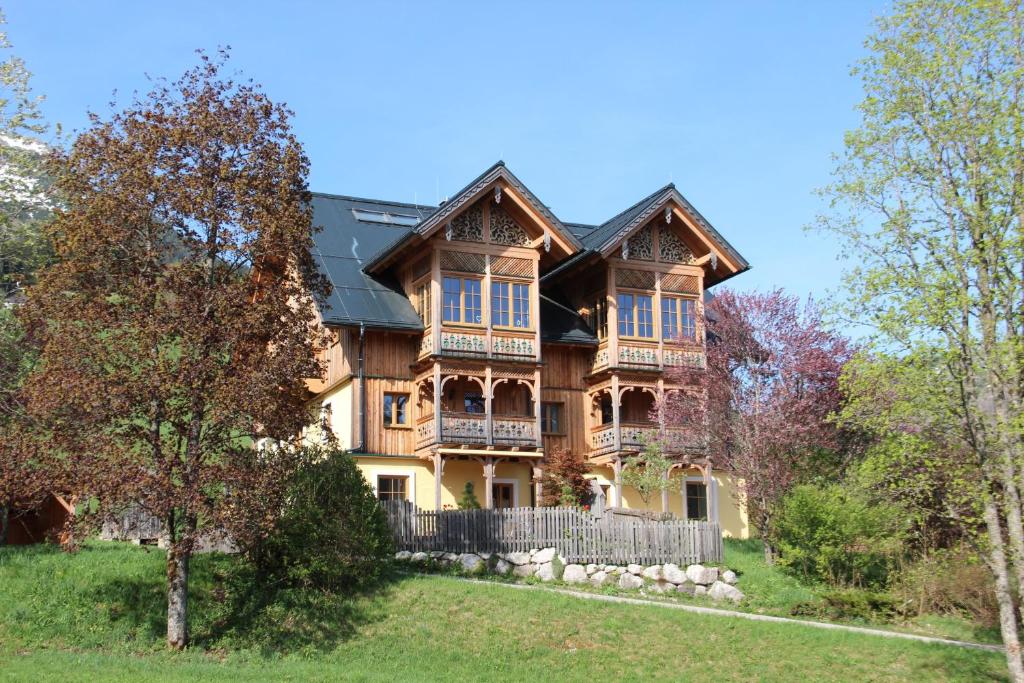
<point x="456" y="474"/>
<point x="732" y="515"/>
<point x="340" y="400"/>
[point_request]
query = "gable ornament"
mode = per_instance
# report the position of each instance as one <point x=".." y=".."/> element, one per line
<point x="714" y="261"/>
<point x="448" y="231"/>
<point x="625" y="249"/>
<point x="668" y="215"/>
<point x="497" y="194"/>
<point x="547" y="241"/>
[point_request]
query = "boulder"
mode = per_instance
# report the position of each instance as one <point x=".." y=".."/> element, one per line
<point x="729" y="576"/>
<point x="699" y="574"/>
<point x="662" y="587"/>
<point x="574" y="573"/>
<point x="653" y="573"/>
<point x="599" y="579"/>
<point x="723" y="591"/>
<point x="518" y="558"/>
<point x="486" y="556"/>
<point x="471" y="563"/>
<point x="502" y="567"/>
<point x="419" y="557"/>
<point x="688" y="588"/>
<point x="700" y="590"/>
<point x="544" y="556"/>
<point x="673" y="574"/>
<point x="630" y="581"/>
<point x="403" y="555"/>
<point x="524" y="570"/>
<point x="545" y="572"/>
<point x="634" y="569"/>
<point x="450" y="557"/>
<point x="619" y="571"/>
<point x="591" y="569"/>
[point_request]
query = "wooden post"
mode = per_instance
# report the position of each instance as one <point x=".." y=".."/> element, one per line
<point x="536" y="408"/>
<point x="617" y="473"/>
<point x="538" y="475"/>
<point x="438" y="476"/>
<point x="489" y="482"/>
<point x="488" y="402"/>
<point x="615" y="412"/>
<point x="664" y="492"/>
<point x="708" y="483"/>
<point x="437" y="403"/>
<point x="435" y="300"/>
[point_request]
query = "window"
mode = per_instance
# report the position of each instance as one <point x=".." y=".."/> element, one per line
<point x="423" y="302"/>
<point x="696" y="500"/>
<point x="367" y="216"/>
<point x="679" y="318"/>
<point x="461" y="300"/>
<point x="636" y="308"/>
<point x="396" y="410"/>
<point x="598" y="317"/>
<point x="392" y="487"/>
<point x="473" y="403"/>
<point x="607" y="417"/>
<point x="551" y="418"/>
<point x="625" y="302"/>
<point x="520" y="304"/>
<point x="504" y="496"/>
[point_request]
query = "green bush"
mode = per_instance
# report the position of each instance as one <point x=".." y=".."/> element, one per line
<point x="846" y="605"/>
<point x="834" y="535"/>
<point x="331" y="534"/>
<point x="951" y="582"/>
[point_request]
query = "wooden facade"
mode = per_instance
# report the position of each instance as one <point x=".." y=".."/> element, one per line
<point x="485" y="381"/>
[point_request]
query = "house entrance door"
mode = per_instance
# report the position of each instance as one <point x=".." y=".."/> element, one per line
<point x="504" y="496"/>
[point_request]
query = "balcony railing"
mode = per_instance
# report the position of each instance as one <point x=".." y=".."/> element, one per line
<point x="504" y="345"/>
<point x="471" y="428"/>
<point x="647" y="357"/>
<point x="636" y="436"/>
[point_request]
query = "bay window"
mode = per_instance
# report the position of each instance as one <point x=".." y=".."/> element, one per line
<point x="636" y="315"/>
<point x="679" y="318"/>
<point x="462" y="300"/>
<point x="510" y="304"/>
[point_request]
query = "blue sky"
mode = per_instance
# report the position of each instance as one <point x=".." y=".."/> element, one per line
<point x="592" y="105"/>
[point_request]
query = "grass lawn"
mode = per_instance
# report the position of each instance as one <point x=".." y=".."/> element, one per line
<point x="97" y="616"/>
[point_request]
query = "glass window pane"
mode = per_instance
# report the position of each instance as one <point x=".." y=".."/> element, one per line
<point x="451" y="310"/>
<point x="625" y="315"/>
<point x="499" y="304"/>
<point x="400" y="404"/>
<point x="696" y="501"/>
<point x="473" y="307"/>
<point x="388" y="402"/>
<point x="689" y="319"/>
<point x="644" y="316"/>
<point x="669" y="318"/>
<point x="520" y="305"/>
<point x="473" y="403"/>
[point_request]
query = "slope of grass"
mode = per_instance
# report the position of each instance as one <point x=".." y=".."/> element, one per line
<point x="98" y="615"/>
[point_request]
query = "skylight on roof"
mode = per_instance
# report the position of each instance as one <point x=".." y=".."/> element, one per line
<point x="367" y="216"/>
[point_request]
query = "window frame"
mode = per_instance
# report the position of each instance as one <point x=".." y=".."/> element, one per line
<point x="686" y="325"/>
<point x="422" y="289"/>
<point x="406" y="480"/>
<point x="394" y="395"/>
<point x="703" y="488"/>
<point x="545" y="421"/>
<point x="634" y="315"/>
<point x="509" y="298"/>
<point x="462" y="310"/>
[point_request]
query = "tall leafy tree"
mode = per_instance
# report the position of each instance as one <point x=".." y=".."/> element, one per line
<point x="177" y="325"/>
<point x="929" y="202"/>
<point x="25" y="201"/>
<point x="766" y="396"/>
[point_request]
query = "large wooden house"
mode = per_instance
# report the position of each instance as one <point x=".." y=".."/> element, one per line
<point x="472" y="338"/>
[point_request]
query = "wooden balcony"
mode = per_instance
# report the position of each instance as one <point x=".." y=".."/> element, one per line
<point x="634" y="436"/>
<point x="471" y="429"/>
<point x="646" y="356"/>
<point x="504" y="345"/>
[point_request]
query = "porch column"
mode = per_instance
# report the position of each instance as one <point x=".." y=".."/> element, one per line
<point x="617" y="475"/>
<point x="538" y="475"/>
<point x="488" y="402"/>
<point x="438" y="391"/>
<point x="489" y="483"/>
<point x="536" y="407"/>
<point x="616" y="428"/>
<point x="664" y="491"/>
<point x="708" y="486"/>
<point x="438" y="475"/>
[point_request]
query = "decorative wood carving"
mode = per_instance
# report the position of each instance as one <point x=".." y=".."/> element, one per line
<point x="672" y="249"/>
<point x="469" y="225"/>
<point x="504" y="230"/>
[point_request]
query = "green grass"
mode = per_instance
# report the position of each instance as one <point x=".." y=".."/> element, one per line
<point x="98" y="615"/>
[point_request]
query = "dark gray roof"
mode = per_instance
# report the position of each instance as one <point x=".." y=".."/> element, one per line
<point x="343" y="245"/>
<point x="562" y="324"/>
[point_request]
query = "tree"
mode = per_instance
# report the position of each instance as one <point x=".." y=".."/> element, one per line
<point x="765" y="398"/>
<point x="178" y="323"/>
<point x="25" y="200"/>
<point x="469" y="500"/>
<point x="563" y="481"/>
<point x="928" y="199"/>
<point x="647" y="473"/>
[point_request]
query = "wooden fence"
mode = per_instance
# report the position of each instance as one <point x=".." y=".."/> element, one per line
<point x="578" y="535"/>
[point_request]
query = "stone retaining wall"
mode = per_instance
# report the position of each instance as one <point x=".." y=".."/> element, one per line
<point x="547" y="565"/>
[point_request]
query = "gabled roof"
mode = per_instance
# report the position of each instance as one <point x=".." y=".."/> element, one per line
<point x="341" y="248"/>
<point x="467" y="195"/>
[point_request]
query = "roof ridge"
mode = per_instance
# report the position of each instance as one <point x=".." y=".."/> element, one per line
<point x="670" y="186"/>
<point x="367" y="200"/>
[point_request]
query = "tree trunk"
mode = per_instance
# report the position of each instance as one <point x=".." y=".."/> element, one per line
<point x="769" y="553"/>
<point x="5" y="524"/>
<point x="1000" y="571"/>
<point x="178" y="556"/>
